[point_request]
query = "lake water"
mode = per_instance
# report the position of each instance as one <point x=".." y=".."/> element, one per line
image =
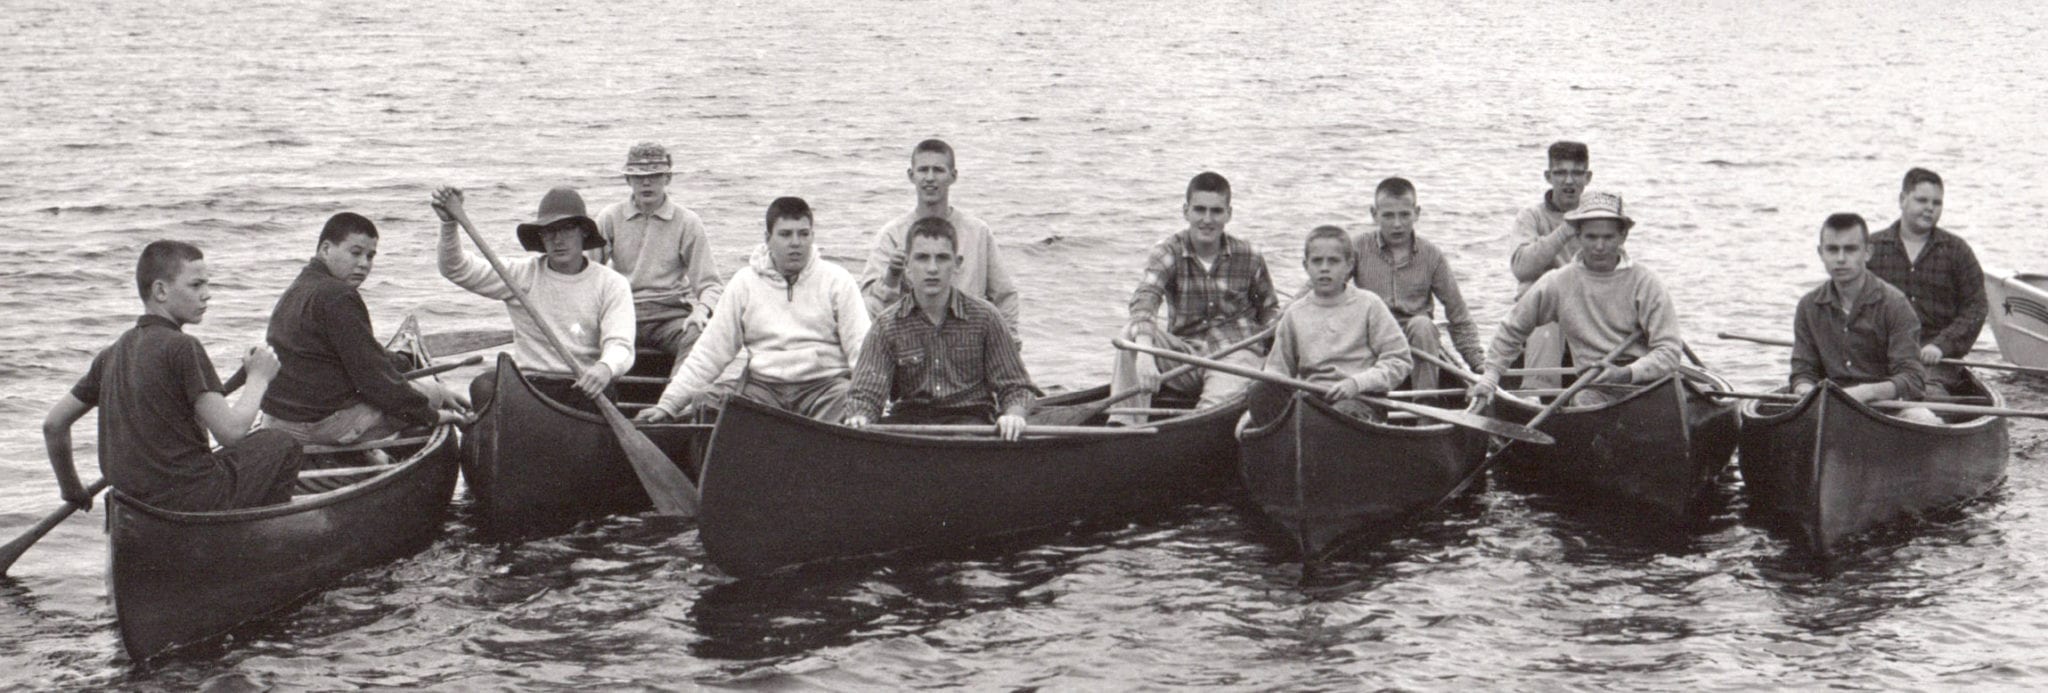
<point x="1732" y="128"/>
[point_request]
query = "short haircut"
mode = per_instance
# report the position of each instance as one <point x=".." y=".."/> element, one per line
<point x="1844" y="221"/>
<point x="340" y="226"/>
<point x="1915" y="176"/>
<point x="1567" y="150"/>
<point x="1209" y="181"/>
<point x="161" y="261"/>
<point x="936" y="146"/>
<point x="933" y="227"/>
<point x="1395" y="186"/>
<point x="787" y="208"/>
<point x="1335" y="233"/>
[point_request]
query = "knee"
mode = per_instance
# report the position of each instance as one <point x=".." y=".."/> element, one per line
<point x="1420" y="329"/>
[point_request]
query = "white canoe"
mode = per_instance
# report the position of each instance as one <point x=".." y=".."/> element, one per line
<point x="2019" y="315"/>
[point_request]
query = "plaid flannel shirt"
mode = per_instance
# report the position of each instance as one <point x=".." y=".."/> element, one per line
<point x="969" y="361"/>
<point x="1229" y="302"/>
<point x="1946" y="286"/>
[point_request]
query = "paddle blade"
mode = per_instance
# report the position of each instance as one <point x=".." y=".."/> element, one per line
<point x="1459" y="417"/>
<point x="671" y="491"/>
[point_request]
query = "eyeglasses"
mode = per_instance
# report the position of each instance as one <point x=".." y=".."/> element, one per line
<point x="1570" y="174"/>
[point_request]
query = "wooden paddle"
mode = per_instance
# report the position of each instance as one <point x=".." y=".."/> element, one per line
<point x="1988" y="365"/>
<point x="672" y="493"/>
<point x="1583" y="381"/>
<point x="1078" y="413"/>
<point x="13" y="550"/>
<point x="1449" y="416"/>
<point x="241" y="377"/>
<point x="464" y="341"/>
<point x="1029" y="431"/>
<point x="1893" y="404"/>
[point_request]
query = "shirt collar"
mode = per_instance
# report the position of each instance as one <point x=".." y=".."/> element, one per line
<point x="1414" y="243"/>
<point x="160" y="321"/>
<point x="1550" y="205"/>
<point x="316" y="267"/>
<point x="1869" y="292"/>
<point x="1896" y="233"/>
<point x="1187" y="243"/>
<point x="666" y="212"/>
<point x="956" y="306"/>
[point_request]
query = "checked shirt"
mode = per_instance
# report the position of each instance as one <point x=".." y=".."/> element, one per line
<point x="1946" y="286"/>
<point x="1230" y="301"/>
<point x="969" y="361"/>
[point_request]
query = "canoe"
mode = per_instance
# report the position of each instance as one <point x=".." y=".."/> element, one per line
<point x="536" y="466"/>
<point x="1657" y="450"/>
<point x="1828" y="467"/>
<point x="2019" y="315"/>
<point x="179" y="578"/>
<point x="782" y="490"/>
<point x="1326" y="478"/>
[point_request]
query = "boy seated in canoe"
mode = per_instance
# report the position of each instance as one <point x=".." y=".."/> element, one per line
<point x="1543" y="243"/>
<point x="1216" y="291"/>
<point x="337" y="385"/>
<point x="1938" y="273"/>
<point x="939" y="355"/>
<point x="589" y="306"/>
<point x="662" y="249"/>
<point x="1597" y="300"/>
<point x="1412" y="276"/>
<point x="1338" y="336"/>
<point x="1856" y="329"/>
<point x="801" y="321"/>
<point x="159" y="396"/>
<point x="933" y="170"/>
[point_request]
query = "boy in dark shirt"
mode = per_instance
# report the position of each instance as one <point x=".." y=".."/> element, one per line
<point x="158" y="396"/>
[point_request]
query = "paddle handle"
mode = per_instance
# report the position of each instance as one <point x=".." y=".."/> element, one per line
<point x="1224" y="366"/>
<point x="1585" y="380"/>
<point x="1990" y="365"/>
<point x="1186" y="368"/>
<point x="13" y="550"/>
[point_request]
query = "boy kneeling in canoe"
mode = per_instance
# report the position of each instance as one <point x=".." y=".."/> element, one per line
<point x="337" y="385"/>
<point x="1857" y="330"/>
<point x="801" y="320"/>
<point x="940" y="355"/>
<point x="1337" y="336"/>
<point x="158" y="396"/>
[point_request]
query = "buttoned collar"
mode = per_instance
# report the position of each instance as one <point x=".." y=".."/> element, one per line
<point x="1187" y="243"/>
<point x="1896" y="234"/>
<point x="1870" y="291"/>
<point x="665" y="212"/>
<point x="956" y="306"/>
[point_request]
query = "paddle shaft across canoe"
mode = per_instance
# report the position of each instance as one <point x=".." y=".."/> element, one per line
<point x="1971" y="363"/>
<point x="1826" y="467"/>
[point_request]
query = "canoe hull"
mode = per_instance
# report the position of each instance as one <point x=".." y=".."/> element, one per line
<point x="1829" y="468"/>
<point x="2019" y="315"/>
<point x="179" y="578"/>
<point x="1326" y="478"/>
<point x="1658" y="450"/>
<point x="535" y="466"/>
<point x="781" y="490"/>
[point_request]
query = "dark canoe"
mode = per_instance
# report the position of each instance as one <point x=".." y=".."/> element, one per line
<point x="179" y="578"/>
<point x="1326" y="478"/>
<point x="536" y="466"/>
<point x="1657" y="450"/>
<point x="783" y="490"/>
<point x="1828" y="467"/>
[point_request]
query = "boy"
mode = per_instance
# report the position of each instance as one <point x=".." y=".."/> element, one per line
<point x="1336" y="335"/>
<point x="661" y="248"/>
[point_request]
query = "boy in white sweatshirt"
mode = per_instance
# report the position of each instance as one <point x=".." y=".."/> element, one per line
<point x="1338" y="336"/>
<point x="801" y="320"/>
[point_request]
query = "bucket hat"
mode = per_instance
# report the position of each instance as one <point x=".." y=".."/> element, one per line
<point x="561" y="207"/>
<point x="1600" y="205"/>
<point x="647" y="159"/>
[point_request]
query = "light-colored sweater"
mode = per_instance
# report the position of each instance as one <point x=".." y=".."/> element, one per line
<point x="665" y="256"/>
<point x="591" y="311"/>
<point x="1595" y="311"/>
<point x="1351" y="335"/>
<point x="792" y="333"/>
<point x="1538" y="247"/>
<point x="981" y="266"/>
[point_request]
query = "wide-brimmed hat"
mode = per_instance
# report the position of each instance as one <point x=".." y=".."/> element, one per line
<point x="561" y="207"/>
<point x="1600" y="205"/>
<point x="647" y="159"/>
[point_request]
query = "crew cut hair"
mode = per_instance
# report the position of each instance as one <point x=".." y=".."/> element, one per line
<point x="162" y="261"/>
<point x="1332" y="232"/>
<point x="1844" y="221"/>
<point x="1209" y="181"/>
<point x="786" y="208"/>
<point x="1567" y="150"/>
<point x="1395" y="186"/>
<point x="1915" y="176"/>
<point x="933" y="227"/>
<point x="340" y="226"/>
<point x="936" y="146"/>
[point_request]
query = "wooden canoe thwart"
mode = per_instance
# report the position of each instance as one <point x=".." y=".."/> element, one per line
<point x="1658" y="449"/>
<point x="180" y="578"/>
<point x="537" y="466"/>
<point x="1326" y="478"/>
<point x="1828" y="468"/>
<point x="782" y="490"/>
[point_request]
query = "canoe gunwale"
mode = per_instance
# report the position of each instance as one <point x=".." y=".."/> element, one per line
<point x="1752" y="411"/>
<point x="1430" y="429"/>
<point x="396" y="474"/>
